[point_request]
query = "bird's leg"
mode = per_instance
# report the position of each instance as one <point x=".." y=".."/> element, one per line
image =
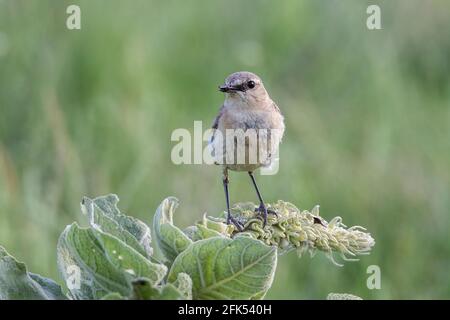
<point x="230" y="218"/>
<point x="262" y="207"/>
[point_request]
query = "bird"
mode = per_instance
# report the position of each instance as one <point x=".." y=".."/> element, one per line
<point x="246" y="133"/>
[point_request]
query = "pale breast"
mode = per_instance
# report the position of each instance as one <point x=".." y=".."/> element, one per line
<point x="246" y="139"/>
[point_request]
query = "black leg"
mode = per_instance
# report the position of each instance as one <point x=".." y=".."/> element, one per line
<point x="227" y="198"/>
<point x="230" y="218"/>
<point x="262" y="208"/>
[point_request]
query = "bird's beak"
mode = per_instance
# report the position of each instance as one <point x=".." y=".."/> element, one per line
<point x="225" y="88"/>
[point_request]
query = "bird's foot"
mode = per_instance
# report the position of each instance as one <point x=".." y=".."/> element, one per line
<point x="262" y="209"/>
<point x="236" y="223"/>
<point x="263" y="212"/>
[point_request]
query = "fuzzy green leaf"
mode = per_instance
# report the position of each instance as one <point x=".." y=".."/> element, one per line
<point x="132" y="262"/>
<point x="105" y="263"/>
<point x="113" y="296"/>
<point x="144" y="290"/>
<point x="183" y="283"/>
<point x="200" y="232"/>
<point x="17" y="283"/>
<point x="170" y="239"/>
<point x="223" y="268"/>
<point x="342" y="296"/>
<point x="105" y="216"/>
<point x="80" y="254"/>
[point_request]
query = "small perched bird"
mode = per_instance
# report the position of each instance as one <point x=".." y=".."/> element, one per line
<point x="247" y="132"/>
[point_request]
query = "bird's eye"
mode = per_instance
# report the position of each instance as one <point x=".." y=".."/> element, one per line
<point x="251" y="84"/>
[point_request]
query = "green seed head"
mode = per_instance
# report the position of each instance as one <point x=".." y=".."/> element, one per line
<point x="294" y="229"/>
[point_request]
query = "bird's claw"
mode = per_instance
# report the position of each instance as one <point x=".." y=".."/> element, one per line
<point x="236" y="223"/>
<point x="263" y="211"/>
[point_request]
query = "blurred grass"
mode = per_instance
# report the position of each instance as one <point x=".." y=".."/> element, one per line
<point x="90" y="112"/>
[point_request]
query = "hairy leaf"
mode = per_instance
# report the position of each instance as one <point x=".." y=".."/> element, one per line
<point x="113" y="296"/>
<point x="342" y="296"/>
<point x="105" y="216"/>
<point x="132" y="262"/>
<point x="223" y="268"/>
<point x="170" y="239"/>
<point x="85" y="267"/>
<point x="200" y="232"/>
<point x="104" y="263"/>
<point x="17" y="283"/>
<point x="184" y="284"/>
<point x="144" y="290"/>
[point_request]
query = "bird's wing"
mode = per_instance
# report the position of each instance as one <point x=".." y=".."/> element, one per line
<point x="216" y="121"/>
<point x="215" y="124"/>
<point x="215" y="127"/>
<point x="274" y="105"/>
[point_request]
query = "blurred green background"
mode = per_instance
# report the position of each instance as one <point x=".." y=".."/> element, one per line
<point x="91" y="112"/>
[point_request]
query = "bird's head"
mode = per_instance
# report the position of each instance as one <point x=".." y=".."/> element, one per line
<point x="244" y="87"/>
